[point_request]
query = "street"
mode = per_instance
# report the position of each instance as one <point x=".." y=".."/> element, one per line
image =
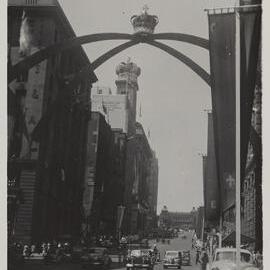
<point x="105" y="157"/>
<point x="175" y="244"/>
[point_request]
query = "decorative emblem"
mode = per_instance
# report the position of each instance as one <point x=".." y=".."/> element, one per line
<point x="144" y="24"/>
<point x="230" y="181"/>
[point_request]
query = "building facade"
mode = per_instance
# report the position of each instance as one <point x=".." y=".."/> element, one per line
<point x="104" y="177"/>
<point x="182" y="220"/>
<point x="153" y="190"/>
<point x="251" y="219"/>
<point x="136" y="196"/>
<point x="48" y="111"/>
<point x="141" y="164"/>
<point x="114" y="107"/>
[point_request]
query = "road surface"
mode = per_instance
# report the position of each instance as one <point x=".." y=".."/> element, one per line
<point x="175" y="244"/>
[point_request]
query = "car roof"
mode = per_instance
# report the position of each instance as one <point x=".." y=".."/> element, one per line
<point x="98" y="248"/>
<point x="141" y="249"/>
<point x="231" y="249"/>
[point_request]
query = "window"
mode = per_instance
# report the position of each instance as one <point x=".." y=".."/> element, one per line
<point x="22" y="77"/>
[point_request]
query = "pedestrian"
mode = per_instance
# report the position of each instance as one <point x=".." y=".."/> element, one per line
<point x="198" y="256"/>
<point x="33" y="248"/>
<point x="204" y="260"/>
<point x="258" y="259"/>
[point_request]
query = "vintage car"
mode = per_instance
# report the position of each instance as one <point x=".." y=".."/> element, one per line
<point x="140" y="258"/>
<point x="96" y="257"/>
<point x="225" y="259"/>
<point x="186" y="259"/>
<point x="172" y="259"/>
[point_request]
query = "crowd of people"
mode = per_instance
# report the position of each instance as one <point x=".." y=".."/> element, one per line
<point x="43" y="249"/>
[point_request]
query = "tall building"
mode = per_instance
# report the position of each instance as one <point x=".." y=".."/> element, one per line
<point x="47" y="122"/>
<point x="127" y="84"/>
<point x="141" y="165"/>
<point x="119" y="108"/>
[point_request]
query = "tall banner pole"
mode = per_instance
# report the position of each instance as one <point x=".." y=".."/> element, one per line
<point x="238" y="142"/>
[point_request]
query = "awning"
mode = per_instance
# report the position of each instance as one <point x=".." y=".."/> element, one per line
<point x="229" y="240"/>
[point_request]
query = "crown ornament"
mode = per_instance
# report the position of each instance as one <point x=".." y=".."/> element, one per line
<point x="144" y="23"/>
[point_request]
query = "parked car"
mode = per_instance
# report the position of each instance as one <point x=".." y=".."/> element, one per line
<point x="77" y="252"/>
<point x="96" y="257"/>
<point x="225" y="258"/>
<point x="172" y="259"/>
<point x="140" y="258"/>
<point x="186" y="259"/>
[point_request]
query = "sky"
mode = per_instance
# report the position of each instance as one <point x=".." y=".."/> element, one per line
<point x="173" y="99"/>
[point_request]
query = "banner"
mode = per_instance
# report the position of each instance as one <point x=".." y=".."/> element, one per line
<point x="211" y="184"/>
<point x="250" y="36"/>
<point x="120" y="215"/>
<point x="222" y="65"/>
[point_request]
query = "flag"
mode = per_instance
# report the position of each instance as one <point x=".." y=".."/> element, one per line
<point x="222" y="29"/>
<point x="104" y="108"/>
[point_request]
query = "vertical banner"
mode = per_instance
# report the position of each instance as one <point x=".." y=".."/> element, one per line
<point x="211" y="183"/>
<point x="222" y="65"/>
<point x="120" y="215"/>
<point x="250" y="36"/>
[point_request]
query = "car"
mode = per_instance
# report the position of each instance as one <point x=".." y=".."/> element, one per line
<point x="77" y="252"/>
<point x="172" y="259"/>
<point x="140" y="258"/>
<point x="96" y="257"/>
<point x="186" y="259"/>
<point x="225" y="258"/>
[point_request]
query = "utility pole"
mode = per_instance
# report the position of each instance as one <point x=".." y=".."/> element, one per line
<point x="237" y="132"/>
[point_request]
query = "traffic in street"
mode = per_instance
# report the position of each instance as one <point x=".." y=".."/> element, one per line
<point x="181" y="243"/>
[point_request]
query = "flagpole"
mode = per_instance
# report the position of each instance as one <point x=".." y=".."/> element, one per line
<point x="237" y="130"/>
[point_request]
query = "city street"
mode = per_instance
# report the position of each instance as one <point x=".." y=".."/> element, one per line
<point x="175" y="244"/>
<point x="116" y="136"/>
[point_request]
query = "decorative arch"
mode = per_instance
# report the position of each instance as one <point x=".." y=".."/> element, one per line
<point x="43" y="54"/>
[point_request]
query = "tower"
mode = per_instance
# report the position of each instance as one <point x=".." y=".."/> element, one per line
<point x="127" y="84"/>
